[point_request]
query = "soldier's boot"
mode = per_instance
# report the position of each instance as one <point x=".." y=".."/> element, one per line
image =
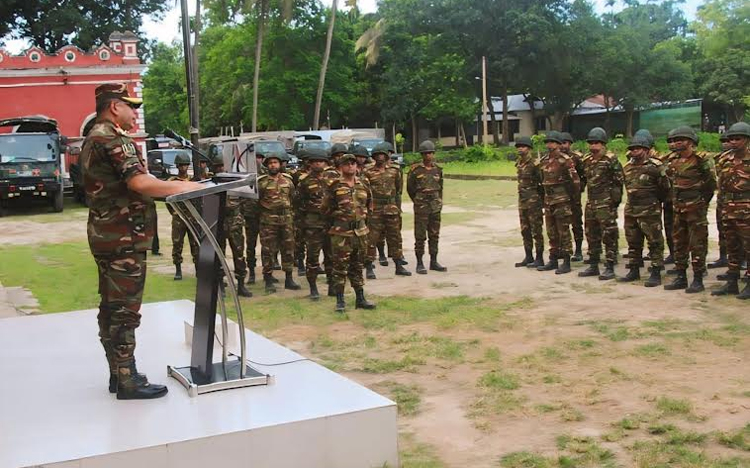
<point x="134" y="386"/>
<point x="403" y="261"/>
<point x="382" y="259"/>
<point x="242" y="291"/>
<point x="251" y="275"/>
<point x="634" y="273"/>
<point x="697" y="285"/>
<point x="720" y="262"/>
<point x="289" y="282"/>
<point x="331" y="291"/>
<point x="314" y="294"/>
<point x="609" y="271"/>
<point x="578" y="254"/>
<point x="723" y="276"/>
<point x="538" y="261"/>
<point x="673" y="271"/>
<point x="400" y="270"/>
<point x="276" y="264"/>
<point x="421" y="270"/>
<point x="362" y="303"/>
<point x="113" y="381"/>
<point x="655" y="278"/>
<point x="565" y="267"/>
<point x="270" y="288"/>
<point x="434" y="265"/>
<point x="340" y="302"/>
<point x="592" y="270"/>
<point x="370" y="271"/>
<point x="745" y="294"/>
<point x="529" y="258"/>
<point x="301" y="265"/>
<point x="680" y="282"/>
<point x="669" y="260"/>
<point x="177" y="271"/>
<point x="549" y="266"/>
<point x="730" y="287"/>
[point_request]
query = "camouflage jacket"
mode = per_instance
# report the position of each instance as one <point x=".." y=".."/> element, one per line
<point x="734" y="183"/>
<point x="604" y="179"/>
<point x="331" y="174"/>
<point x="308" y="203"/>
<point x="559" y="179"/>
<point x="386" y="186"/>
<point x="275" y="195"/>
<point x="577" y="158"/>
<point x="177" y="177"/>
<point x="347" y="208"/>
<point x="647" y="185"/>
<point x="530" y="191"/>
<point x="693" y="181"/>
<point x="425" y="187"/>
<point x="120" y="221"/>
<point x="250" y="207"/>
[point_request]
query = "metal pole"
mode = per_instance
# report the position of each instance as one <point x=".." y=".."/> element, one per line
<point x="484" y="100"/>
<point x="191" y="85"/>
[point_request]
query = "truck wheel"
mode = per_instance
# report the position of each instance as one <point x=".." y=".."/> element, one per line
<point x="57" y="201"/>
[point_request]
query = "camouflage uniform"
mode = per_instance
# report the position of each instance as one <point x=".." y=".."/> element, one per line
<point x="668" y="212"/>
<point x="577" y="207"/>
<point x="311" y="190"/>
<point x="425" y="187"/>
<point x="386" y="185"/>
<point x="561" y="186"/>
<point x="179" y="231"/>
<point x="275" y="194"/>
<point x="734" y="182"/>
<point x="250" y="209"/>
<point x="604" y="181"/>
<point x="718" y="161"/>
<point x="299" y="223"/>
<point x="234" y="225"/>
<point x="530" y="197"/>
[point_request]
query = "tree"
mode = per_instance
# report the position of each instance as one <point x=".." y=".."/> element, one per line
<point x="324" y="66"/>
<point x="165" y="91"/>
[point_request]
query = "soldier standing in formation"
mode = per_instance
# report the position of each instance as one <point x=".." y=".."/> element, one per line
<point x="561" y="187"/>
<point x="721" y="262"/>
<point x="179" y="228"/>
<point x="251" y="212"/>
<point x="425" y="187"/>
<point x="567" y="140"/>
<point x="386" y="185"/>
<point x="604" y="189"/>
<point x="530" y="196"/>
<point x="299" y="226"/>
<point x="667" y="207"/>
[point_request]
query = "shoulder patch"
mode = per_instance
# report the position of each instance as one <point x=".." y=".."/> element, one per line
<point x="284" y="174"/>
<point x="656" y="161"/>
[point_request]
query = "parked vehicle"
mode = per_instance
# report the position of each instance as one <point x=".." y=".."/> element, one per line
<point x="161" y="162"/>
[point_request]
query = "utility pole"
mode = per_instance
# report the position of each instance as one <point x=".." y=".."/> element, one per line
<point x="191" y="84"/>
<point x="484" y="100"/>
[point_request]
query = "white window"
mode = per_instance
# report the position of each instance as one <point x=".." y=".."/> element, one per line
<point x="70" y="56"/>
<point x="104" y="55"/>
<point x="35" y="56"/>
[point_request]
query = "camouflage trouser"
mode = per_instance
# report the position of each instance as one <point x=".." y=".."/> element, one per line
<point x="426" y="225"/>
<point x="385" y="227"/>
<point x="531" y="219"/>
<point x="557" y="218"/>
<point x="275" y="238"/>
<point x="348" y="255"/>
<point x="636" y="228"/>
<point x="669" y="225"/>
<point x="691" y="239"/>
<point x="252" y="231"/>
<point x="601" y="227"/>
<point x="737" y="232"/>
<point x="577" y="221"/>
<point x="121" y="282"/>
<point x="315" y="242"/>
<point x="179" y="231"/>
<point x="233" y="232"/>
<point x="720" y="227"/>
<point x="299" y="241"/>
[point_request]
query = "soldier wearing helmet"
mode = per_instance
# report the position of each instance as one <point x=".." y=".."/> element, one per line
<point x="567" y="141"/>
<point x="530" y="195"/>
<point x="179" y="229"/>
<point x="251" y="212"/>
<point x="720" y="262"/>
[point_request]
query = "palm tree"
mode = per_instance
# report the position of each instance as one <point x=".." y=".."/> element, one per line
<point x="370" y="41"/>
<point x="324" y="66"/>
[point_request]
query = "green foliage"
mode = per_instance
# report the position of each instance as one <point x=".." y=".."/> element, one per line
<point x="165" y="91"/>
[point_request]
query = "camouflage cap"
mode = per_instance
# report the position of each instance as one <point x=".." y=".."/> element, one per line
<point x="119" y="91"/>
<point x="344" y="158"/>
<point x="524" y="141"/>
<point x="565" y="136"/>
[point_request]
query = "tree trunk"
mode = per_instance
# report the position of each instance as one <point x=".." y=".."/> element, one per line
<point x="493" y="123"/>
<point x="530" y="100"/>
<point x="463" y="134"/>
<point x="629" y="112"/>
<point x="262" y="5"/>
<point x="506" y="124"/>
<point x="324" y="67"/>
<point x="556" y="120"/>
<point x="608" y="115"/>
<point x="458" y="133"/>
<point x="196" y="75"/>
<point x="414" y="133"/>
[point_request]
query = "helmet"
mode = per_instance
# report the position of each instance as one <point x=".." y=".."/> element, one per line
<point x="553" y="136"/>
<point x="380" y="148"/>
<point x="565" y="136"/>
<point x="359" y="150"/>
<point x="427" y="146"/>
<point x="685" y="131"/>
<point x="303" y="153"/>
<point x="670" y="135"/>
<point x="639" y="141"/>
<point x="389" y="147"/>
<point x="723" y="138"/>
<point x="739" y="129"/>
<point x="645" y="134"/>
<point x="216" y="159"/>
<point x="316" y="154"/>
<point x="271" y="156"/>
<point x="597" y="134"/>
<point x="181" y="159"/>
<point x="338" y="148"/>
<point x="524" y="141"/>
<point x="346" y="157"/>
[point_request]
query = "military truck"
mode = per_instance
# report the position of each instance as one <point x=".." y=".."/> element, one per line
<point x="31" y="150"/>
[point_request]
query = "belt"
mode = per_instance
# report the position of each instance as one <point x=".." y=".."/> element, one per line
<point x="553" y="189"/>
<point x="384" y="199"/>
<point x="349" y="225"/>
<point x="642" y="198"/>
<point x="688" y="194"/>
<point x="280" y="212"/>
<point x="735" y="196"/>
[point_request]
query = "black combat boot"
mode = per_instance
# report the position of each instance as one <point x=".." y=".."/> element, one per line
<point x="669" y="260"/>
<point x="362" y="303"/>
<point x="745" y="294"/>
<point x="549" y="266"/>
<point x="565" y="267"/>
<point x="529" y="258"/>
<point x="113" y="381"/>
<point x="370" y="271"/>
<point x="301" y="265"/>
<point x="634" y="273"/>
<point x="270" y="288"/>
<point x="331" y="291"/>
<point x="421" y="270"/>
<point x="382" y="259"/>
<point x="314" y="294"/>
<point x="592" y="270"/>
<point x="680" y="282"/>
<point x="697" y="285"/>
<point x="400" y="270"/>
<point x="721" y="262"/>
<point x="578" y="254"/>
<point x="609" y="271"/>
<point x="723" y="276"/>
<point x="538" y="261"/>
<point x="251" y="275"/>
<point x="242" y="291"/>
<point x="402" y="261"/>
<point x="731" y="286"/>
<point x="134" y="386"/>
<point x="434" y="265"/>
<point x="340" y="303"/>
<point x="177" y="271"/>
<point x="655" y="278"/>
<point x="289" y="282"/>
<point x="673" y="271"/>
<point x="276" y="264"/>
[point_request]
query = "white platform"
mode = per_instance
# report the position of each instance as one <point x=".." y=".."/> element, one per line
<point x="55" y="410"/>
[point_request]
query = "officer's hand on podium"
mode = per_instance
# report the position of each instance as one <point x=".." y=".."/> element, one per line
<point x="190" y="186"/>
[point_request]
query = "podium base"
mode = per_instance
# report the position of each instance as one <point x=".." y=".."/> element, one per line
<point x="223" y="377"/>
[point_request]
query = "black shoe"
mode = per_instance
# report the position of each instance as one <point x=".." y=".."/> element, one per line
<point x="673" y="271"/>
<point x="538" y="261"/>
<point x="697" y="285"/>
<point x="301" y="272"/>
<point x="402" y="261"/>
<point x="362" y="303"/>
<point x="609" y="272"/>
<point x="132" y="386"/>
<point x="113" y="381"/>
<point x="382" y="259"/>
<point x="578" y="254"/>
<point x="251" y="276"/>
<point x="669" y="260"/>
<point x="177" y="272"/>
<point x="720" y="262"/>
<point x="400" y="270"/>
<point x="270" y="288"/>
<point x="290" y="284"/>
<point x="156" y="253"/>
<point x="370" y="271"/>
<point x="634" y="273"/>
<point x="731" y="287"/>
<point x="723" y="276"/>
<point x="340" y="303"/>
<point x="654" y="279"/>
<point x="549" y="266"/>
<point x="314" y="294"/>
<point x="565" y="267"/>
<point x="592" y="270"/>
<point x="273" y="280"/>
<point x="242" y="291"/>
<point x="680" y="282"/>
<point x="529" y="258"/>
<point x="331" y="292"/>
<point x="434" y="265"/>
<point x="745" y="294"/>
<point x="421" y="270"/>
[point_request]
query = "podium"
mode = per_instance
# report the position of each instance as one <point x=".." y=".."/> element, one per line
<point x="207" y="226"/>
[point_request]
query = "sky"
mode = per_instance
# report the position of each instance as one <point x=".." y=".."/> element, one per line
<point x="167" y="29"/>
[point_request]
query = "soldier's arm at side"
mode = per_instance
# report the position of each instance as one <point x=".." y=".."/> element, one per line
<point x="575" y="181"/>
<point x="709" y="185"/>
<point x="150" y="186"/>
<point x="618" y="180"/>
<point x="411" y="184"/>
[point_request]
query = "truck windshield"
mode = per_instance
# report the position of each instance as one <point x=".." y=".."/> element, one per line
<point x="18" y="148"/>
<point x="269" y="147"/>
